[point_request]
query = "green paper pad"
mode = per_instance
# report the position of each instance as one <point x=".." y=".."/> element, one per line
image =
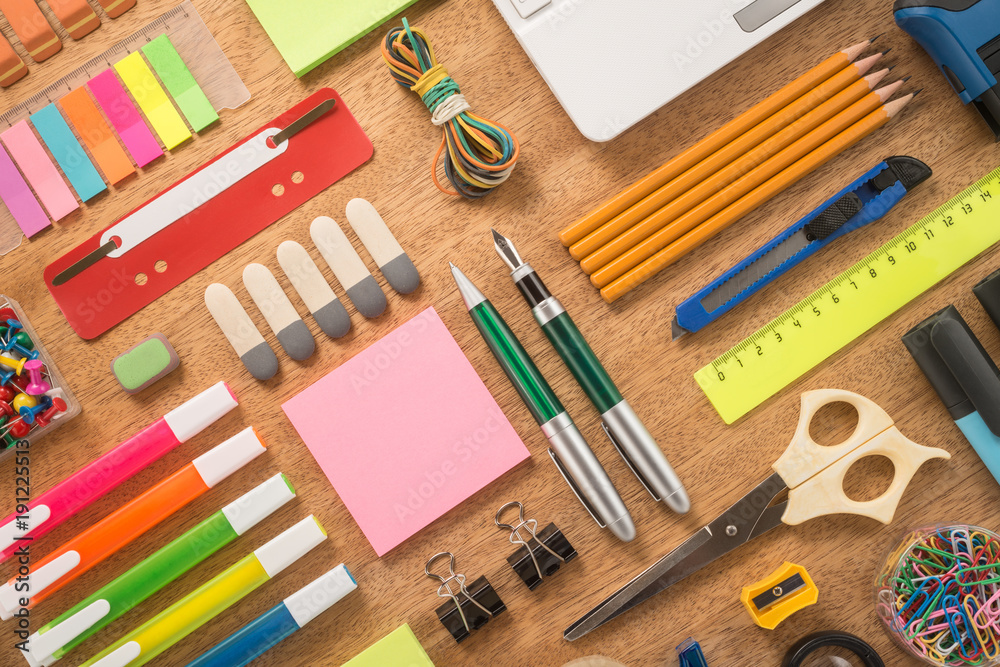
<point x="178" y="80"/>
<point x="307" y="32"/>
<point x="400" y="647"/>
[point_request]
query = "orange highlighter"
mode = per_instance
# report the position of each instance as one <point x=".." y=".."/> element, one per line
<point x="126" y="524"/>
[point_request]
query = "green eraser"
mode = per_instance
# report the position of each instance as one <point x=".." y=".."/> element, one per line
<point x="145" y="363"/>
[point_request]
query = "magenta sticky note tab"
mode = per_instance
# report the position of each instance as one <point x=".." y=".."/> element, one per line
<point x="38" y="168"/>
<point x="405" y="431"/>
<point x="125" y="118"/>
<point x="16" y="195"/>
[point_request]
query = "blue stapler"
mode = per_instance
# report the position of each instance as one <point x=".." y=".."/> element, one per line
<point x="963" y="38"/>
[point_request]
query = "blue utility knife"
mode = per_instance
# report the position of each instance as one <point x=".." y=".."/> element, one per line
<point x="863" y="201"/>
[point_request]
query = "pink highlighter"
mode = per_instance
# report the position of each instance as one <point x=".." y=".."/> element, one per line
<point x="105" y="473"/>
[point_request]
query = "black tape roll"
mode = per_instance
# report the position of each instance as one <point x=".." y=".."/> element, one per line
<point x="809" y="644"/>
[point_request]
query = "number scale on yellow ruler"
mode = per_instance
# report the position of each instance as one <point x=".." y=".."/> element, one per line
<point x="854" y="302"/>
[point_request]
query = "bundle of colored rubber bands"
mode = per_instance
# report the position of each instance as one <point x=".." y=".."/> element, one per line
<point x="481" y="153"/>
<point x="938" y="595"/>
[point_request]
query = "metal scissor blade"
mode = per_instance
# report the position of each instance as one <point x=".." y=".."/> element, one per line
<point x="748" y="518"/>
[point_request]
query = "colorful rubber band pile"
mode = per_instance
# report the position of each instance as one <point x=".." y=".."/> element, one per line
<point x="939" y="595"/>
<point x="481" y="153"/>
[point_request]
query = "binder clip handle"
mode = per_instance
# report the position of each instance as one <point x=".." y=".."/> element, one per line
<point x="444" y="590"/>
<point x="534" y="546"/>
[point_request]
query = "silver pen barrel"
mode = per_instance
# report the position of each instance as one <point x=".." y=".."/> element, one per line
<point x="588" y="479"/>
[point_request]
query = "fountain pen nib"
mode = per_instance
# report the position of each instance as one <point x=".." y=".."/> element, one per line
<point x="506" y="250"/>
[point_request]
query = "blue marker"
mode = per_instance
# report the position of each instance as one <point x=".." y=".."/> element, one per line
<point x="964" y="377"/>
<point x="690" y="655"/>
<point x="253" y="639"/>
<point x="863" y="201"/>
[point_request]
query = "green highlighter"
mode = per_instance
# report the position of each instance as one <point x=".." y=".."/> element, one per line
<point x="65" y="633"/>
<point x="627" y="432"/>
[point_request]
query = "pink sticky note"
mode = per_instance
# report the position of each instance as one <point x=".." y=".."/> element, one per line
<point x="36" y="166"/>
<point x="405" y="431"/>
<point x="16" y="194"/>
<point x="125" y="118"/>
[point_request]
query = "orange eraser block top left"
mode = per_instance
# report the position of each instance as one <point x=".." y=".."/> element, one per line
<point x="116" y="8"/>
<point x="31" y="28"/>
<point x="12" y="67"/>
<point x="76" y="16"/>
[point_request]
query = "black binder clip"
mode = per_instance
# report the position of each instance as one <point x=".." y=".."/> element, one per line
<point x="478" y="604"/>
<point x="541" y="554"/>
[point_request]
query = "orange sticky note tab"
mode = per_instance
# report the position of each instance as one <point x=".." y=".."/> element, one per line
<point x="97" y="136"/>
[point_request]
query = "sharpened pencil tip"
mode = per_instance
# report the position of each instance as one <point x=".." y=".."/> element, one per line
<point x="917" y="92"/>
<point x="891" y="67"/>
<point x="907" y="78"/>
<point x="872" y="40"/>
<point x="887" y="51"/>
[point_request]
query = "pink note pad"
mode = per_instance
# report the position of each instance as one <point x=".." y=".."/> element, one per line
<point x="36" y="166"/>
<point x="16" y="194"/>
<point x="405" y="431"/>
<point x="125" y="118"/>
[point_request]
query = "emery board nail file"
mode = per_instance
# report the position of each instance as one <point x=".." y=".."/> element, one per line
<point x="239" y="329"/>
<point x="76" y="16"/>
<point x="12" y="68"/>
<point x="31" y="28"/>
<point x="361" y="288"/>
<point x="392" y="260"/>
<point x="316" y="293"/>
<point x="281" y="316"/>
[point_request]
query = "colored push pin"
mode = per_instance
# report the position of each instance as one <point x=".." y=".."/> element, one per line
<point x="541" y="554"/>
<point x="44" y="419"/>
<point x="6" y="393"/>
<point x="36" y="385"/>
<point x="14" y="343"/>
<point x="16" y="365"/>
<point x="18" y="428"/>
<point x="6" y="410"/>
<point x="782" y="593"/>
<point x="28" y="413"/>
<point x="478" y="605"/>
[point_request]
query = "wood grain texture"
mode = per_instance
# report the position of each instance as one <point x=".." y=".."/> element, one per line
<point x="559" y="177"/>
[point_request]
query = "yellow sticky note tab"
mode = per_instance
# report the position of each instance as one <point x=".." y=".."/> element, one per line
<point x="153" y="101"/>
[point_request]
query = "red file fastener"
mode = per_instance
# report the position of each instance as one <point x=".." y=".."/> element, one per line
<point x="102" y="292"/>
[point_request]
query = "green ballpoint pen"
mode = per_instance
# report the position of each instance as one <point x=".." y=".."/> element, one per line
<point x="568" y="449"/>
<point x="626" y="431"/>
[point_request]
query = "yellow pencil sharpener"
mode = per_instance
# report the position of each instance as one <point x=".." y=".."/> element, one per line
<point x="782" y="593"/>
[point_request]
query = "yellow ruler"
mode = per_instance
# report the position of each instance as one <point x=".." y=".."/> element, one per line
<point x="854" y="302"/>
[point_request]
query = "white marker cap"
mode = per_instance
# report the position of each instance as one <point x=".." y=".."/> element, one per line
<point x="221" y="462"/>
<point x="44" y="645"/>
<point x="254" y="506"/>
<point x="200" y="412"/>
<point x="125" y="654"/>
<point x="37" y="581"/>
<point x="320" y="595"/>
<point x="9" y="533"/>
<point x="291" y="545"/>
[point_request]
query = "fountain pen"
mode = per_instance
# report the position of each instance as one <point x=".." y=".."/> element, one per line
<point x="568" y="449"/>
<point x="628" y="434"/>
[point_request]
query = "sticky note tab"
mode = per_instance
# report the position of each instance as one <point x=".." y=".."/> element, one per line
<point x="399" y="647"/>
<point x="125" y="118"/>
<point x="68" y="152"/>
<point x="433" y="434"/>
<point x="16" y="195"/>
<point x="180" y="83"/>
<point x="39" y="170"/>
<point x="97" y="135"/>
<point x="152" y="100"/>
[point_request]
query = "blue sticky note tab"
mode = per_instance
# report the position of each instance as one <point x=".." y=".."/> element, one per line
<point x="68" y="152"/>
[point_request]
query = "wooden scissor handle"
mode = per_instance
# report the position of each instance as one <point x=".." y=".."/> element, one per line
<point x="815" y="474"/>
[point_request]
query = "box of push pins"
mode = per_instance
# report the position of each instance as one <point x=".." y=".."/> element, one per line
<point x="34" y="398"/>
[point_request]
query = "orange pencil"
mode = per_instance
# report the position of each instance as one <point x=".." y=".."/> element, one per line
<point x="755" y="198"/>
<point x="665" y="229"/>
<point x="846" y="79"/>
<point x="687" y="199"/>
<point x="132" y="520"/>
<point x="731" y="130"/>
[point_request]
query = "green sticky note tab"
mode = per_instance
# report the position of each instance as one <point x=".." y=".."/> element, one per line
<point x="399" y="647"/>
<point x="307" y="32"/>
<point x="180" y="83"/>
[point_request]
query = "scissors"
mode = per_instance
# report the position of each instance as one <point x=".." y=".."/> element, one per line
<point x="812" y="474"/>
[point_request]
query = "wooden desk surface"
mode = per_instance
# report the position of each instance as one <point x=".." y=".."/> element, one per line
<point x="559" y="177"/>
